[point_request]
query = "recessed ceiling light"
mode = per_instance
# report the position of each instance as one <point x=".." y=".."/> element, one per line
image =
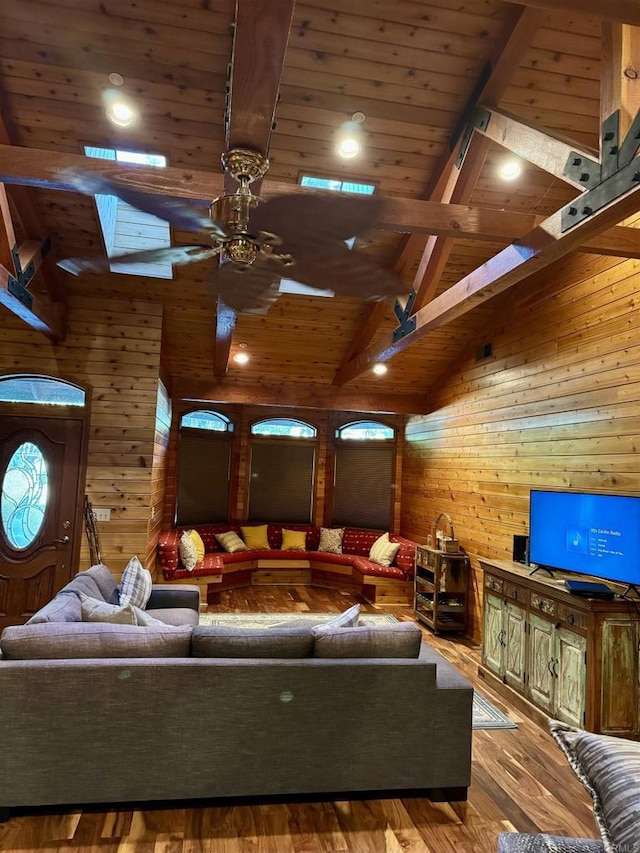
<point x="510" y="170"/>
<point x="348" y="143"/>
<point x="241" y="357"/>
<point x="380" y="369"/>
<point x="116" y="79"/>
<point x="119" y="109"/>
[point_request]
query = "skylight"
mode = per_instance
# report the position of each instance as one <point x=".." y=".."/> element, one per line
<point x="289" y="285"/>
<point x="127" y="229"/>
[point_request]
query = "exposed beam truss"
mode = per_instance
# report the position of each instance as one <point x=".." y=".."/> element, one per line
<point x="626" y="11"/>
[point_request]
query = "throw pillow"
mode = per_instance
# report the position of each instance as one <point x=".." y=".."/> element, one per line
<point x="294" y="540"/>
<point x="187" y="551"/>
<point x="198" y="543"/>
<point x="331" y="540"/>
<point x="609" y="768"/>
<point x="346" y="619"/>
<point x="369" y="641"/>
<point x="136" y="584"/>
<point x="144" y="620"/>
<point x="383" y="551"/>
<point x="231" y="542"/>
<point x="94" y="610"/>
<point x="256" y="537"/>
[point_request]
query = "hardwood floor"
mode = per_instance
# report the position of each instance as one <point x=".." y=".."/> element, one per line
<point x="521" y="781"/>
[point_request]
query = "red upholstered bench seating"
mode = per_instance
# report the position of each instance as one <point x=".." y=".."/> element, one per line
<point x="352" y="570"/>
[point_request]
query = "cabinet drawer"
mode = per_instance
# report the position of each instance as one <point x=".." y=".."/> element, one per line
<point x="493" y="583"/>
<point x="515" y="593"/>
<point x="543" y="604"/>
<point x="573" y="617"/>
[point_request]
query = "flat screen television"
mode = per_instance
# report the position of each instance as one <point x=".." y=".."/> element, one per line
<point x="593" y="534"/>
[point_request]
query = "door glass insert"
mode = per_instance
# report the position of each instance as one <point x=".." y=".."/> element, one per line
<point x="24" y="495"/>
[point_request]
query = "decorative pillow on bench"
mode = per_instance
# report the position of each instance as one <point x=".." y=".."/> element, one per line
<point x="256" y="537"/>
<point x="383" y="550"/>
<point x="609" y="768"/>
<point x="231" y="542"/>
<point x="331" y="540"/>
<point x="294" y="540"/>
<point x="191" y="549"/>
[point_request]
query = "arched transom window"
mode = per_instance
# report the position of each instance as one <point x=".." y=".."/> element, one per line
<point x="284" y="427"/>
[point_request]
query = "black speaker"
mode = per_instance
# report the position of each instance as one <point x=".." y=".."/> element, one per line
<point x="521" y="549"/>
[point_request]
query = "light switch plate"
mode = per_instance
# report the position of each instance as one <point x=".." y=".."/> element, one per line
<point x="102" y="514"/>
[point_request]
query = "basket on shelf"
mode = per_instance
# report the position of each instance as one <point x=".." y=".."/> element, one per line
<point x="448" y="544"/>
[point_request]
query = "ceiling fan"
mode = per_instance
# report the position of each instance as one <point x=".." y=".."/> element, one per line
<point x="301" y="236"/>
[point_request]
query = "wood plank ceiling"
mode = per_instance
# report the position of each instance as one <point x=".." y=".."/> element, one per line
<point x="411" y="67"/>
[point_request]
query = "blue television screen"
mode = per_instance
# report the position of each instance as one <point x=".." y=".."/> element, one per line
<point x="594" y="534"/>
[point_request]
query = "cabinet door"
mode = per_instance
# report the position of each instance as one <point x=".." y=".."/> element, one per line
<point x="514" y="659"/>
<point x="570" y="682"/>
<point x="540" y="662"/>
<point x="619" y="707"/>
<point x="492" y="634"/>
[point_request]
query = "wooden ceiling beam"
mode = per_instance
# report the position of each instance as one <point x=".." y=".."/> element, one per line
<point x="543" y="246"/>
<point x="619" y="83"/>
<point x="533" y="144"/>
<point x="626" y="11"/>
<point x="299" y="396"/>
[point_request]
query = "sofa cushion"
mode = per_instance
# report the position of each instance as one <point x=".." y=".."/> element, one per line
<point x="331" y="540"/>
<point x="383" y="551"/>
<point x="173" y="615"/>
<point x="256" y="537"/>
<point x="62" y="608"/>
<point x="293" y="540"/>
<point x="231" y="542"/>
<point x="368" y="641"/>
<point x="219" y="641"/>
<point x="56" y="641"/>
<point x="104" y="579"/>
<point x="609" y="768"/>
<point x="136" y="584"/>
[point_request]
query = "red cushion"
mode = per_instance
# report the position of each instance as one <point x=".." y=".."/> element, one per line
<point x="366" y="567"/>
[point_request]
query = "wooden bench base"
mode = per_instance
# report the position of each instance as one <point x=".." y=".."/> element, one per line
<point x="375" y="590"/>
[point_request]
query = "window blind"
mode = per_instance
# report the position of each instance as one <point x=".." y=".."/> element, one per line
<point x="363" y="481"/>
<point x="281" y="485"/>
<point x="203" y="478"/>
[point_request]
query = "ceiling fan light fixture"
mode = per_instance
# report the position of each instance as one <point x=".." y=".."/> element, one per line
<point x="380" y="369"/>
<point x="119" y="109"/>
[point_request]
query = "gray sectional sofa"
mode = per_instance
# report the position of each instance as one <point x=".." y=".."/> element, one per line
<point x="126" y="714"/>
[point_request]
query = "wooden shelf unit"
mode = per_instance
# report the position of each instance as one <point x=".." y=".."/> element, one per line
<point x="441" y="597"/>
<point x="568" y="657"/>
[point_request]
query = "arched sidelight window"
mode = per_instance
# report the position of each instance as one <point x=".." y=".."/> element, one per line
<point x="284" y="427"/>
<point x="44" y="390"/>
<point x="366" y="431"/>
<point x="283" y="456"/>
<point x="204" y="467"/>
<point x="364" y="475"/>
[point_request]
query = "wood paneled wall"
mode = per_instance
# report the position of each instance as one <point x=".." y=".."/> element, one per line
<point x="556" y="406"/>
<point x="113" y="349"/>
<point x="158" y="471"/>
<point x="326" y="422"/>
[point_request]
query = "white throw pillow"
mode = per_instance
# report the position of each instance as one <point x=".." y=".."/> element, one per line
<point x="94" y="610"/>
<point x="231" y="542"/>
<point x="331" y="540"/>
<point x="347" y="619"/>
<point x="383" y="551"/>
<point x="136" y="584"/>
<point x="144" y="620"/>
<point x="188" y="552"/>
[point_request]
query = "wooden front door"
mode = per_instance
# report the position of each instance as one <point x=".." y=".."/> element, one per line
<point x="41" y="482"/>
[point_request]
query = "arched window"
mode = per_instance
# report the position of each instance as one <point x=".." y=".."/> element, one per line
<point x="364" y="475"/>
<point x="204" y="419"/>
<point x="283" y="460"/>
<point x="204" y="467"/>
<point x="284" y="427"/>
<point x="44" y="390"/>
<point x="366" y="431"/>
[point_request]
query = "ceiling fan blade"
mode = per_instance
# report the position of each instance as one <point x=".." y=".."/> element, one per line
<point x="175" y="255"/>
<point x="248" y="290"/>
<point x="347" y="273"/>
<point x="324" y="217"/>
<point x="174" y="211"/>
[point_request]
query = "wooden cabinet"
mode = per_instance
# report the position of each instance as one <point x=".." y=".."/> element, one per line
<point x="572" y="658"/>
<point x="441" y="594"/>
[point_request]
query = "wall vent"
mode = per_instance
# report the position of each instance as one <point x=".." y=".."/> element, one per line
<point x="484" y="351"/>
